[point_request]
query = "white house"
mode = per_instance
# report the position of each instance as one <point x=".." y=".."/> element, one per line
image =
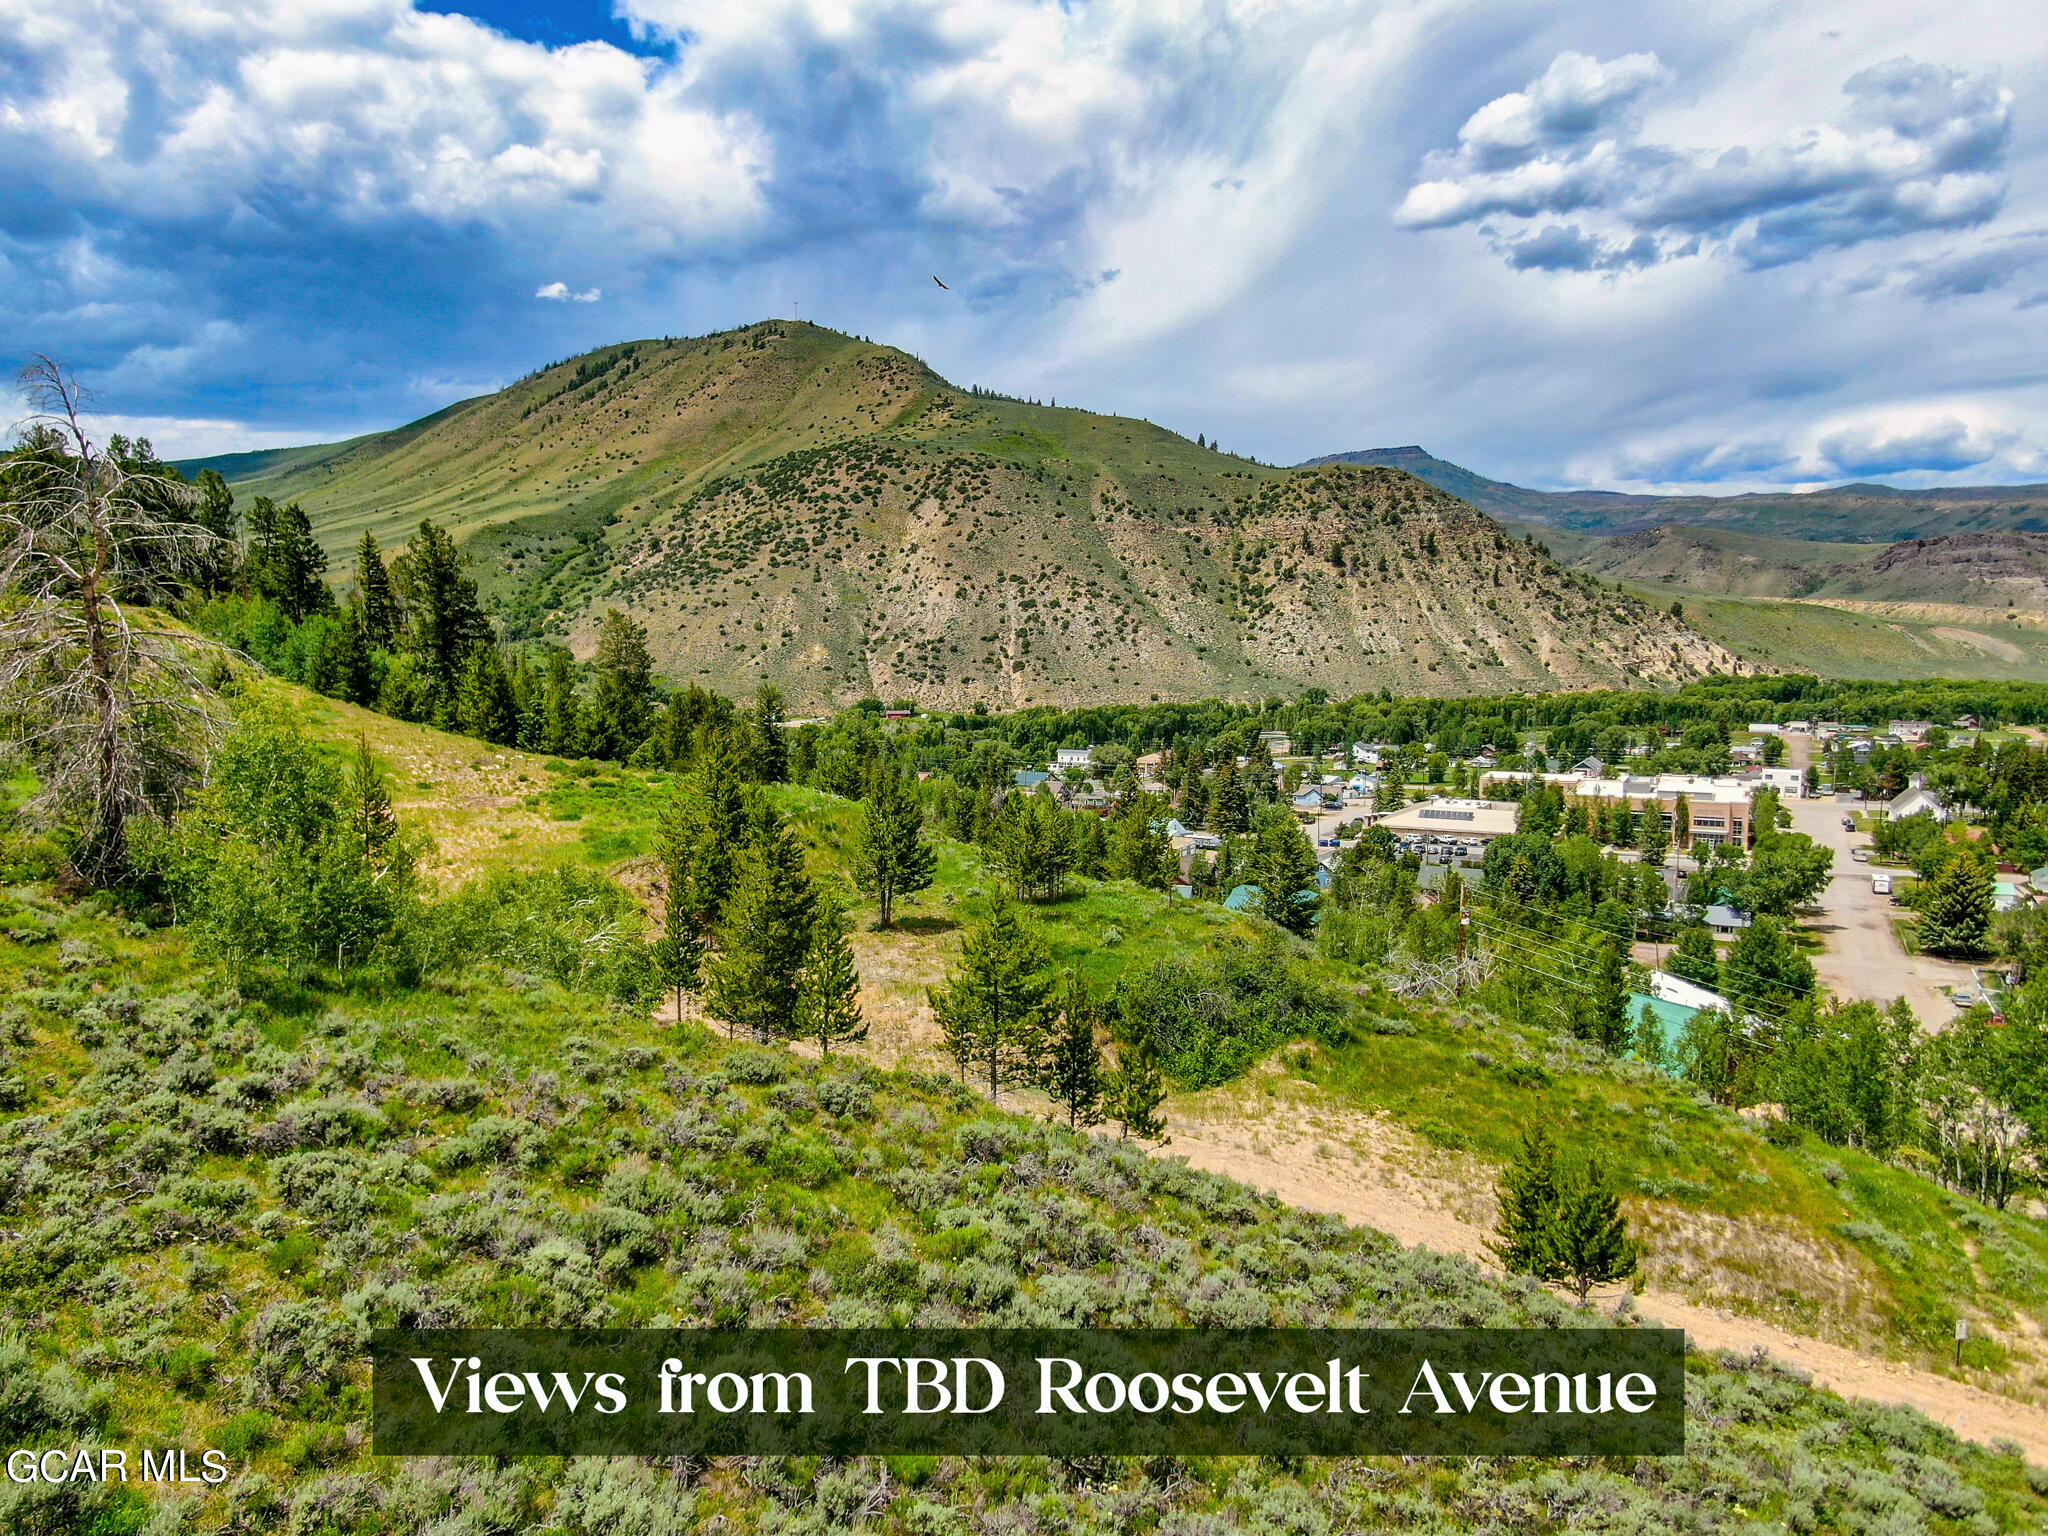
<point x="1917" y="801"/>
<point x="1073" y="757"/>
<point x="1790" y="783"/>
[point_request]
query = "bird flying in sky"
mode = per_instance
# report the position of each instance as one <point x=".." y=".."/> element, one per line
<point x="935" y="278"/>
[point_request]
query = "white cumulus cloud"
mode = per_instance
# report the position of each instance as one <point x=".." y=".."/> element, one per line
<point x="1919" y="148"/>
<point x="563" y="293"/>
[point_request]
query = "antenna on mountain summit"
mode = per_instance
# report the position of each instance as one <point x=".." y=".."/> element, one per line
<point x="935" y="278"/>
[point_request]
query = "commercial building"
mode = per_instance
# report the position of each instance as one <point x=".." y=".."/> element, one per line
<point x="1718" y="810"/>
<point x="1483" y="820"/>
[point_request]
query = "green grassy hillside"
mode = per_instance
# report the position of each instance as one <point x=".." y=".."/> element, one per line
<point x="1882" y="641"/>
<point x="784" y="503"/>
<point x="1804" y="1249"/>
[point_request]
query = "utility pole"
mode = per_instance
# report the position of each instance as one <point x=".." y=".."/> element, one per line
<point x="1464" y="921"/>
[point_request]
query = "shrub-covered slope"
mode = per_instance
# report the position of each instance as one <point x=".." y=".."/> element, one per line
<point x="209" y="1199"/>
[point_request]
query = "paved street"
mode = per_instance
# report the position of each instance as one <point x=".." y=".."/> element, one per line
<point x="1862" y="958"/>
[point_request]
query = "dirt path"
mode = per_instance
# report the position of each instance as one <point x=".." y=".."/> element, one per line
<point x="1364" y="1169"/>
<point x="1375" y="1192"/>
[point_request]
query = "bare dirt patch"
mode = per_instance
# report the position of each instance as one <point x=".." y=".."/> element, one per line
<point x="1990" y="645"/>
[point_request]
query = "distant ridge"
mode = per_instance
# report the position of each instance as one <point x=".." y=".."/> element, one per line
<point x="1859" y="513"/>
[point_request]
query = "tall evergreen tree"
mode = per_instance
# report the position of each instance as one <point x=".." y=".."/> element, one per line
<point x="1957" y="907"/>
<point x="1228" y="813"/>
<point x="484" y="704"/>
<point x="828" y="987"/>
<point x="1032" y="844"/>
<point x="345" y="662"/>
<point x="994" y="1009"/>
<point x="891" y="858"/>
<point x="699" y="835"/>
<point x="1527" y="1196"/>
<point x="444" y="617"/>
<point x="771" y="751"/>
<point x="621" y="707"/>
<point x="764" y="936"/>
<point x="1139" y="848"/>
<point x="1589" y="1239"/>
<point x="1282" y="865"/>
<point x="220" y="569"/>
<point x="1606" y="1021"/>
<point x="285" y="563"/>
<point x="562" y="710"/>
<point x="1073" y="1064"/>
<point x="375" y="594"/>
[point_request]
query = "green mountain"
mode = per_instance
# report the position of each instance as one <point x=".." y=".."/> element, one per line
<point x="785" y="503"/>
<point x="1847" y="513"/>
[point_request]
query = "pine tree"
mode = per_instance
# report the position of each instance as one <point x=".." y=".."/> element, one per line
<point x="891" y="858"/>
<point x="220" y="567"/>
<point x="763" y="938"/>
<point x="372" y="820"/>
<point x="828" y="987"/>
<point x="562" y="727"/>
<point x="1134" y="1090"/>
<point x="345" y="664"/>
<point x="699" y="836"/>
<point x="995" y="1007"/>
<point x="1527" y="1195"/>
<point x="621" y="699"/>
<point x="1589" y="1240"/>
<point x="1139" y="849"/>
<point x="1073" y="1064"/>
<point x="484" y="705"/>
<point x="1282" y="865"/>
<point x="285" y="562"/>
<point x="1606" y="1016"/>
<point x="445" y="620"/>
<point x="1653" y="840"/>
<point x="1957" y="907"/>
<point x="1227" y="811"/>
<point x="679" y="955"/>
<point x="771" y="751"/>
<point x="379" y="603"/>
<point x="1032" y="844"/>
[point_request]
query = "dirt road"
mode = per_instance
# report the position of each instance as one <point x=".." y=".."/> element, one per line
<point x="1376" y="1191"/>
<point x="1863" y="958"/>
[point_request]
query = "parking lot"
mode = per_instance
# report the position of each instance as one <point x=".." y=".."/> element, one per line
<point x="1862" y="957"/>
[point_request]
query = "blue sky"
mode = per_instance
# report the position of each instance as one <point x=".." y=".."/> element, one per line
<point x="1565" y="243"/>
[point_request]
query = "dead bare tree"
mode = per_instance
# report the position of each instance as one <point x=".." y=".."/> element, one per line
<point x="97" y="692"/>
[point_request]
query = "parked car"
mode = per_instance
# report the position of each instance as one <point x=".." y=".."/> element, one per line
<point x="1963" y="998"/>
<point x="1848" y="823"/>
<point x="1860" y="855"/>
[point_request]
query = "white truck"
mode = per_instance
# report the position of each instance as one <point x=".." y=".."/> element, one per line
<point x="1881" y="884"/>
